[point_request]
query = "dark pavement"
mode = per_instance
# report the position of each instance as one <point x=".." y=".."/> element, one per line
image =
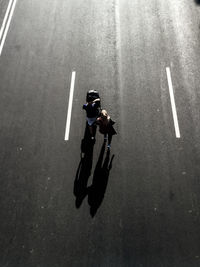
<point x="139" y="204"/>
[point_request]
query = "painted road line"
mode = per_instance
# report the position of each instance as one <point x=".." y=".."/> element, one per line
<point x="5" y="18"/>
<point x="67" y="128"/>
<point x="173" y="105"/>
<point x="5" y="27"/>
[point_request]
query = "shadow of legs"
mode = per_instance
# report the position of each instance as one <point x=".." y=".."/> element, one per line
<point x="97" y="190"/>
<point x="84" y="169"/>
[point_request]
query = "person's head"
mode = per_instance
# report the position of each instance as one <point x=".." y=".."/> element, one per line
<point x="104" y="114"/>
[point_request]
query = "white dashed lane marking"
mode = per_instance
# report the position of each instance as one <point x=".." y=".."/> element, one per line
<point x="67" y="128"/>
<point x="173" y="104"/>
<point x="6" y="23"/>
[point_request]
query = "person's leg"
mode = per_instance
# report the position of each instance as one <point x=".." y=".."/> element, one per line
<point x="109" y="141"/>
<point x="91" y="130"/>
<point x="92" y="127"/>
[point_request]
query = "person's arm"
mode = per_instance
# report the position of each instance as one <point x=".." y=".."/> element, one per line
<point x="85" y="105"/>
<point x="96" y="100"/>
<point x="98" y="120"/>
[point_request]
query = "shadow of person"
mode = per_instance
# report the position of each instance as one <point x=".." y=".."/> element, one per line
<point x="197" y="2"/>
<point x="84" y="168"/>
<point x="97" y="190"/>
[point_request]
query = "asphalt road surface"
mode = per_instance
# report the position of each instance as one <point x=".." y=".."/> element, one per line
<point x="136" y="206"/>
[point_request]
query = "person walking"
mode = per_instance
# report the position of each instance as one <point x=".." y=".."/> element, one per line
<point x="92" y="112"/>
<point x="106" y="126"/>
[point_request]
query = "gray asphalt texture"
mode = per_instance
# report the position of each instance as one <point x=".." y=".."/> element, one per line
<point x="139" y="204"/>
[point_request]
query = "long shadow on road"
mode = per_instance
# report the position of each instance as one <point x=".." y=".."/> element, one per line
<point x="97" y="190"/>
<point x="98" y="187"/>
<point x="84" y="169"/>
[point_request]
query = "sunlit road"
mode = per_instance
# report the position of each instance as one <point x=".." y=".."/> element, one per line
<point x="137" y="206"/>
